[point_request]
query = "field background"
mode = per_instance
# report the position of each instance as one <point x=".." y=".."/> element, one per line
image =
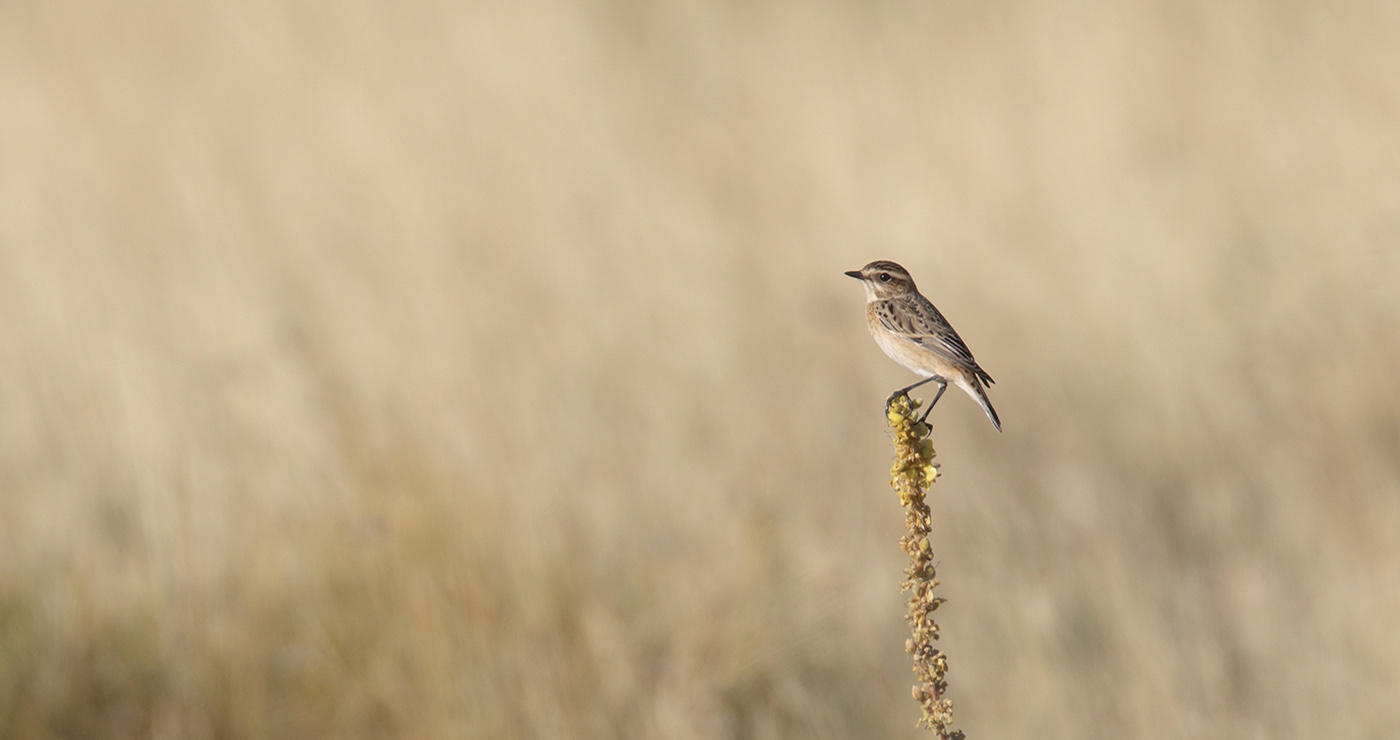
<point x="485" y="370"/>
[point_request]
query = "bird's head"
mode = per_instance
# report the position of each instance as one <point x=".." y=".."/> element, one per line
<point x="884" y="279"/>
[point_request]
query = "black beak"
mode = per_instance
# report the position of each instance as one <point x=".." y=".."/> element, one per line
<point x="855" y="274"/>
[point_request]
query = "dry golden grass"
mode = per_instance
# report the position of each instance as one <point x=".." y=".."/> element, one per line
<point x="440" y="370"/>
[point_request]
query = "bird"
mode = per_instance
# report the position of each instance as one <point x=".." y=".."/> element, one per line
<point x="913" y="333"/>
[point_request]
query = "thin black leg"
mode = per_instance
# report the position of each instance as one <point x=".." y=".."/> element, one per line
<point x="905" y="392"/>
<point x="942" y="386"/>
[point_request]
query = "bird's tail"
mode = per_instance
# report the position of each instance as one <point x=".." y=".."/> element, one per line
<point x="974" y="388"/>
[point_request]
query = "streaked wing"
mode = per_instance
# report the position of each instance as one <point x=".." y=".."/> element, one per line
<point x="916" y="319"/>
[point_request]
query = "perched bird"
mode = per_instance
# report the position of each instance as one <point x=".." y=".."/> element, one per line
<point x="914" y="334"/>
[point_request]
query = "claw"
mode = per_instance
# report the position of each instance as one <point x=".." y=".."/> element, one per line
<point x="890" y="401"/>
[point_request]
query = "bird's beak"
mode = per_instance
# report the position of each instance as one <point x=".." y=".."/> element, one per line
<point x="855" y="274"/>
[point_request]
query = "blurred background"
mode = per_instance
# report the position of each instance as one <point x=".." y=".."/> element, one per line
<point x="438" y="370"/>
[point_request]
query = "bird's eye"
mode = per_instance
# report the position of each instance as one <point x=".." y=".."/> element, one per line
<point x="884" y="277"/>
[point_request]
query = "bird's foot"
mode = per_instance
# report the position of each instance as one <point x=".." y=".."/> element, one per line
<point x="913" y="404"/>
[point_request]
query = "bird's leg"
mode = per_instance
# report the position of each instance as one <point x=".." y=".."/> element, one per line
<point x="905" y="392"/>
<point x="942" y="386"/>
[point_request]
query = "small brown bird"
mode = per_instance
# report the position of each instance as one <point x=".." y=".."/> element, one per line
<point x="914" y="334"/>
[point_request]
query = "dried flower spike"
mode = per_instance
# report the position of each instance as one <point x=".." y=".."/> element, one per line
<point x="913" y="471"/>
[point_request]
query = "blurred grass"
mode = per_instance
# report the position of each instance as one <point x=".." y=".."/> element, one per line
<point x="443" y="370"/>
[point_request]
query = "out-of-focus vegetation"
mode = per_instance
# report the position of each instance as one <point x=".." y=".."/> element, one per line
<point x="438" y="370"/>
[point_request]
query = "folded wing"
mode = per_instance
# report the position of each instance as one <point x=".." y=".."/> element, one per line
<point x="917" y="320"/>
